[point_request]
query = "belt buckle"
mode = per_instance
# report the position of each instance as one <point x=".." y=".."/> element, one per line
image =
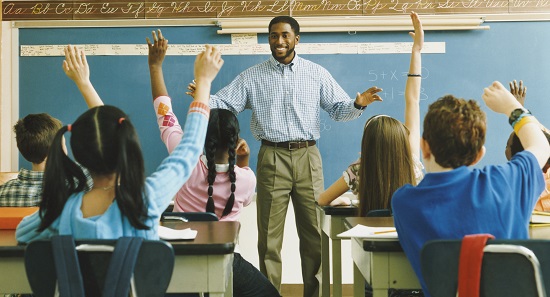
<point x="290" y="143"/>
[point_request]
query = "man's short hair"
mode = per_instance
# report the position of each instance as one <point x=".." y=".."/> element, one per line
<point x="455" y="131"/>
<point x="34" y="135"/>
<point x="287" y="20"/>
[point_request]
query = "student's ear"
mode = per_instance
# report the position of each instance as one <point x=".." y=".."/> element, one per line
<point x="425" y="148"/>
<point x="479" y="156"/>
<point x="297" y="39"/>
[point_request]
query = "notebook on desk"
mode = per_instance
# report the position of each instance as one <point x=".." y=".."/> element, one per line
<point x="173" y="234"/>
<point x="362" y="231"/>
<point x="540" y="217"/>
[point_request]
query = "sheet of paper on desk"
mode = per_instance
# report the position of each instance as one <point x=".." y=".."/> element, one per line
<point x="173" y="234"/>
<point x="369" y="232"/>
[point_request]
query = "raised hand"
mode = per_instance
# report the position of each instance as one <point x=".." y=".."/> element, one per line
<point x="368" y="96"/>
<point x="76" y="68"/>
<point x="499" y="99"/>
<point x="75" y="65"/>
<point x="418" y="34"/>
<point x="157" y="49"/>
<point x="207" y="64"/>
<point x="518" y="91"/>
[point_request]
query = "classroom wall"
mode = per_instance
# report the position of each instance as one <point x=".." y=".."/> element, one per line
<point x="473" y="59"/>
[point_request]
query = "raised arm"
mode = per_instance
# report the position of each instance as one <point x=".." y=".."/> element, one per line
<point x="207" y="66"/>
<point x="412" y="87"/>
<point x="76" y="68"/>
<point x="530" y="134"/>
<point x="157" y="52"/>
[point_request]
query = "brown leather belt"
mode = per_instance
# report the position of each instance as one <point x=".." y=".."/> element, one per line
<point x="290" y="145"/>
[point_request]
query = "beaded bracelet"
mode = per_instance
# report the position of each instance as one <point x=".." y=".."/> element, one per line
<point x="414" y="75"/>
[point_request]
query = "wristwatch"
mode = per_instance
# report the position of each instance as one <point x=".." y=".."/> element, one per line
<point x="516" y="114"/>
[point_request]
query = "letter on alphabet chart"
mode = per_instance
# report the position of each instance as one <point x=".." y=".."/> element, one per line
<point x="39" y="8"/>
<point x="85" y="8"/>
<point x="11" y="9"/>
<point x="106" y="9"/>
<point x="61" y="9"/>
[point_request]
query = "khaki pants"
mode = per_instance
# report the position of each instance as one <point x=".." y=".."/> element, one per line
<point x="285" y="175"/>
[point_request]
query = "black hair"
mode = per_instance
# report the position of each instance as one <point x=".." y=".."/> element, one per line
<point x="104" y="141"/>
<point x="222" y="135"/>
<point x="516" y="146"/>
<point x="287" y="20"/>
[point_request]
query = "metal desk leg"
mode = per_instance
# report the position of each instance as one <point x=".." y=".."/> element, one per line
<point x="325" y="270"/>
<point x="336" y="267"/>
<point x="358" y="282"/>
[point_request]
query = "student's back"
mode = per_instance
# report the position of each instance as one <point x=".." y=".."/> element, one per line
<point x="34" y="134"/>
<point x="103" y="140"/>
<point x="453" y="200"/>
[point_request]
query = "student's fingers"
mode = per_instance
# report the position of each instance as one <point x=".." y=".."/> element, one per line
<point x="65" y="66"/>
<point x="149" y="44"/>
<point x="83" y="58"/>
<point x="160" y="35"/>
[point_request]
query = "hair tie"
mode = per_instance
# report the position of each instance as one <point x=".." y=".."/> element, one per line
<point x="69" y="127"/>
<point x="121" y="120"/>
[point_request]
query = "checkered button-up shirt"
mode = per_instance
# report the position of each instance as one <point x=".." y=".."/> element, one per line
<point x="25" y="190"/>
<point x="286" y="99"/>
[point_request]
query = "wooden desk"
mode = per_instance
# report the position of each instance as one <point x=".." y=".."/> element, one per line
<point x="381" y="262"/>
<point x="201" y="265"/>
<point x="331" y="222"/>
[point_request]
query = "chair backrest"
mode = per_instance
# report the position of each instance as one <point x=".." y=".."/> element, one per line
<point x="508" y="267"/>
<point x="152" y="272"/>
<point x="5" y="176"/>
<point x="190" y="216"/>
<point x="379" y="213"/>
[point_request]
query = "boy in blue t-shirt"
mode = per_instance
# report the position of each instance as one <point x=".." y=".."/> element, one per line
<point x="454" y="200"/>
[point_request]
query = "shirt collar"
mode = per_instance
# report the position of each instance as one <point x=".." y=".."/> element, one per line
<point x="295" y="62"/>
<point x="219" y="167"/>
<point x="29" y="175"/>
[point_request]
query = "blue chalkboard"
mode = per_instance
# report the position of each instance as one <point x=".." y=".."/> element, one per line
<point x="473" y="59"/>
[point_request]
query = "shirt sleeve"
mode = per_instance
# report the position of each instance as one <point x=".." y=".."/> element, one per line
<point x="351" y="176"/>
<point x="232" y="97"/>
<point x="335" y="101"/>
<point x="170" y="129"/>
<point x="27" y="229"/>
<point x="175" y="169"/>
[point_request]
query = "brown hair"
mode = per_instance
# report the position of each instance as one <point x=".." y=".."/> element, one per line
<point x="386" y="162"/>
<point x="455" y="131"/>
<point x="34" y="135"/>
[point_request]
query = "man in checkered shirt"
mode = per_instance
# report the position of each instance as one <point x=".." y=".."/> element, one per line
<point x="285" y="94"/>
<point x="34" y="134"/>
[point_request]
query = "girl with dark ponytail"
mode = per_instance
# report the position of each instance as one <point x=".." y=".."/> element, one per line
<point x="222" y="182"/>
<point x="122" y="202"/>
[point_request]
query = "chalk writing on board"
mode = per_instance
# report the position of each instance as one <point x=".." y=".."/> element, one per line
<point x="384" y="77"/>
<point x="146" y="9"/>
<point x="324" y="125"/>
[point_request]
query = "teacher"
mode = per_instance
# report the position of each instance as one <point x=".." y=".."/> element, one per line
<point x="285" y="94"/>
